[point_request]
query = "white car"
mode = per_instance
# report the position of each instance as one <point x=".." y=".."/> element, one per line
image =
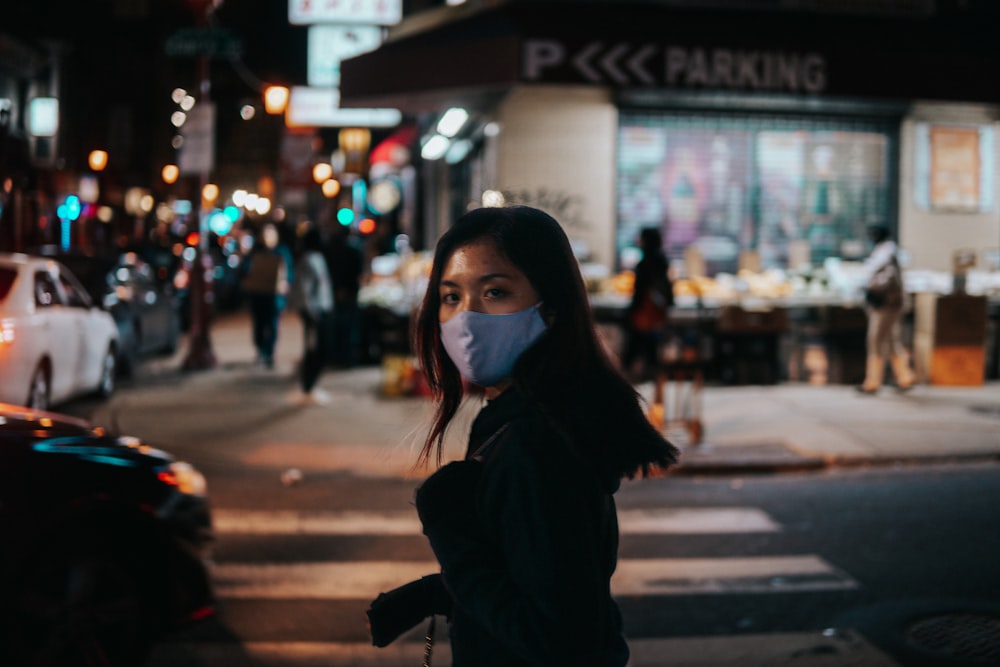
<point x="55" y="343"/>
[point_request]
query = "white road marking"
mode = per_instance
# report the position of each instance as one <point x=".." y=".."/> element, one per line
<point x="404" y="522"/>
<point x="654" y="576"/>
<point x="803" y="649"/>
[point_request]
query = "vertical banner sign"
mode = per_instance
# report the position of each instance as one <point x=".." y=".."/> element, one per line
<point x="330" y="44"/>
<point x="197" y="153"/>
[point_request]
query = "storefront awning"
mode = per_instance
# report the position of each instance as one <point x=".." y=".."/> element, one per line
<point x="664" y="48"/>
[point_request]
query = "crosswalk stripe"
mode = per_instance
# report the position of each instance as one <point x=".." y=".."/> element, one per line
<point x="804" y="649"/>
<point x="655" y="576"/>
<point x="692" y="521"/>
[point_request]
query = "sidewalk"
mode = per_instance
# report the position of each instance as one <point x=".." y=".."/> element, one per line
<point x="746" y="428"/>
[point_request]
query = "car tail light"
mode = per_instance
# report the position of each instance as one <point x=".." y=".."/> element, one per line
<point x="183" y="476"/>
<point x="6" y="331"/>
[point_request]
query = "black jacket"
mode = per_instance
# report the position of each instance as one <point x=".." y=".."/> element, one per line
<point x="529" y="555"/>
<point x="651" y="278"/>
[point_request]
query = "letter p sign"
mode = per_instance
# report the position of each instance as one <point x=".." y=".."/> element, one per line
<point x="539" y="54"/>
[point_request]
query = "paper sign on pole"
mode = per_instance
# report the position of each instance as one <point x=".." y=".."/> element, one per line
<point x="197" y="153"/>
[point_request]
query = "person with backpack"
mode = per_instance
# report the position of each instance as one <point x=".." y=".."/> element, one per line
<point x="885" y="300"/>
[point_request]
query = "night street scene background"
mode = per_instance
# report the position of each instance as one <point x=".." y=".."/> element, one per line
<point x="172" y="498"/>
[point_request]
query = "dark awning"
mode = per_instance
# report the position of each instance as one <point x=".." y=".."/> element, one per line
<point x="655" y="47"/>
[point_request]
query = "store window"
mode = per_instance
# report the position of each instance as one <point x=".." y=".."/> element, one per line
<point x="955" y="169"/>
<point x="728" y="184"/>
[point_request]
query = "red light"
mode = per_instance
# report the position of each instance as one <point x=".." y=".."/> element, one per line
<point x="167" y="477"/>
<point x="201" y="613"/>
<point x="366" y="226"/>
<point x="192" y="238"/>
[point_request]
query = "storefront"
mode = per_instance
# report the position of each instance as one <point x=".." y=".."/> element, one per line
<point x="767" y="150"/>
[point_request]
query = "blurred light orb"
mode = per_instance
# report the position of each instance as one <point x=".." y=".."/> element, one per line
<point x="239" y="197"/>
<point x="275" y="99"/>
<point x="105" y="213"/>
<point x="493" y="198"/>
<point x="247" y="111"/>
<point x="250" y="201"/>
<point x="170" y="173"/>
<point x="177" y="95"/>
<point x="331" y="188"/>
<point x="146" y="203"/>
<point x="177" y="141"/>
<point x="210" y="192"/>
<point x="98" y="160"/>
<point x="187" y="103"/>
<point x="452" y="121"/>
<point x="322" y="171"/>
<point x="178" y="118"/>
<point x="435" y="148"/>
<point x="262" y="206"/>
<point x="491" y="129"/>
<point x="345" y="216"/>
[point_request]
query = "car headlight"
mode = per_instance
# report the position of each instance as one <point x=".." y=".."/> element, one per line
<point x="183" y="476"/>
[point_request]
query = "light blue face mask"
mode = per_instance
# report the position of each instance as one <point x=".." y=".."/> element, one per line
<point x="485" y="347"/>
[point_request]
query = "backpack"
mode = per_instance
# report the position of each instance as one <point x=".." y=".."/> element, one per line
<point x="885" y="288"/>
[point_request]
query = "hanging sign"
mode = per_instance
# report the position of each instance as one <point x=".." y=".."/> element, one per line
<point x="379" y="12"/>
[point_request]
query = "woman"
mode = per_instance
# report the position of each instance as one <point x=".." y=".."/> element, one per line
<point x="525" y="527"/>
<point x="885" y="298"/>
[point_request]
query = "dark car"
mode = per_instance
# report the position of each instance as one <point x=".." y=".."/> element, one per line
<point x="105" y="541"/>
<point x="147" y="310"/>
<point x="173" y="265"/>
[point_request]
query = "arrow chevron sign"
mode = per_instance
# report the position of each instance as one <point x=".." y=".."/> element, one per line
<point x="622" y="64"/>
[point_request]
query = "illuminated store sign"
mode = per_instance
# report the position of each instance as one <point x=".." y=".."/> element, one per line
<point x="319" y="107"/>
<point x="379" y="12"/>
<point x="627" y="64"/>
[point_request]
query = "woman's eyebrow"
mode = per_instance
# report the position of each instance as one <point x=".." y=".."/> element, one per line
<point x="481" y="279"/>
<point x="493" y="276"/>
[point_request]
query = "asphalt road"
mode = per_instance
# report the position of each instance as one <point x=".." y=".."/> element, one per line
<point x="881" y="566"/>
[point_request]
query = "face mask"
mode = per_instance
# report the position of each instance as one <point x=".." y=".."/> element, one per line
<point x="485" y="347"/>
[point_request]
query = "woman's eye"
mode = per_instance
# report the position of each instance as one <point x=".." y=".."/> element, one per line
<point x="495" y="293"/>
<point x="449" y="298"/>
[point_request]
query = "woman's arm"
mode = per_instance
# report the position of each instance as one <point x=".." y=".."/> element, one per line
<point x="543" y="590"/>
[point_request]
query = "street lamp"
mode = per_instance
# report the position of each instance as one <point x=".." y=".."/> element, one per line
<point x="98" y="160"/>
<point x="322" y="172"/>
<point x="170" y="173"/>
<point x="275" y="100"/>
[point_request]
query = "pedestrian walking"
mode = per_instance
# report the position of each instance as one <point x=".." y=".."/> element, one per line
<point x="311" y="295"/>
<point x="345" y="261"/>
<point x="524" y="527"/>
<point x="649" y="308"/>
<point x="885" y="301"/>
<point x="265" y="284"/>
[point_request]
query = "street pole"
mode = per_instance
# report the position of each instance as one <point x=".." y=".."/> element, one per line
<point x="200" y="355"/>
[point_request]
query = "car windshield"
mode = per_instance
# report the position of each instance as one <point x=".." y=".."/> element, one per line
<point x="7" y="277"/>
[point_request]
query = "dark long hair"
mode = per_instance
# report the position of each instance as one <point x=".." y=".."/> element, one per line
<point x="567" y="365"/>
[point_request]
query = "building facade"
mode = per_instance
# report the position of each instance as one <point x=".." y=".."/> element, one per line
<point x="737" y="127"/>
